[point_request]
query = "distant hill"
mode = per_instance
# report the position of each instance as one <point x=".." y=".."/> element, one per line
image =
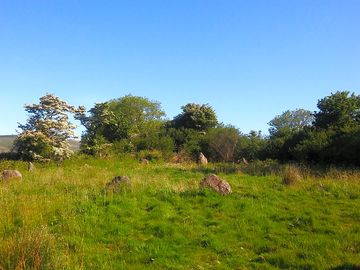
<point x="6" y="142"/>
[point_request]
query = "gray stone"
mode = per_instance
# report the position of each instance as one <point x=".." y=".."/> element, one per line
<point x="118" y="182"/>
<point x="9" y="174"/>
<point x="31" y="166"/>
<point x="202" y="159"/>
<point x="144" y="161"/>
<point x="214" y="182"/>
<point x="245" y="161"/>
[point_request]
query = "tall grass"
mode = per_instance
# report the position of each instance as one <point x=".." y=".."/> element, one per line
<point x="291" y="175"/>
<point x="28" y="248"/>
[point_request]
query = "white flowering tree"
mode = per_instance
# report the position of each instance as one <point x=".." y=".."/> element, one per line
<point x="48" y="130"/>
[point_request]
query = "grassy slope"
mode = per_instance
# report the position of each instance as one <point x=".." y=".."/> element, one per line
<point x="60" y="218"/>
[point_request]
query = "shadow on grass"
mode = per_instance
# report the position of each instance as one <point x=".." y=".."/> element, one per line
<point x="226" y="168"/>
<point x="346" y="266"/>
<point x="194" y="193"/>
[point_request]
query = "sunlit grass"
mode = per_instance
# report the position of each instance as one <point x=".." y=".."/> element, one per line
<point x="61" y="217"/>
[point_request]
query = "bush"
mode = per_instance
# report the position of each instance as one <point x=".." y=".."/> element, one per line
<point x="182" y="157"/>
<point x="291" y="175"/>
<point x="262" y="167"/>
<point x="162" y="143"/>
<point x="123" y="146"/>
<point x="221" y="143"/>
<point x="150" y="155"/>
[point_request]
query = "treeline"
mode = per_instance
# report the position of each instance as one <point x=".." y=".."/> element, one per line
<point x="137" y="125"/>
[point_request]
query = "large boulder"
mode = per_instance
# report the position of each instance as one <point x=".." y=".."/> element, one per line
<point x="9" y="174"/>
<point x="214" y="182"/>
<point x="202" y="159"/>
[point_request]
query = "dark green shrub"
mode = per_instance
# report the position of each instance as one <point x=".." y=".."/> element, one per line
<point x="150" y="155"/>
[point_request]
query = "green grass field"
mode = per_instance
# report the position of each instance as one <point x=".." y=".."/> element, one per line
<point x="60" y="217"/>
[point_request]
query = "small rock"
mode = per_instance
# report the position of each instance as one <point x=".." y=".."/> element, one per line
<point x="202" y="159"/>
<point x="217" y="184"/>
<point x="117" y="182"/>
<point x="31" y="166"/>
<point x="144" y="161"/>
<point x="9" y="174"/>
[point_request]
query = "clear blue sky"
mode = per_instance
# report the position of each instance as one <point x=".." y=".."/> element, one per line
<point x="250" y="60"/>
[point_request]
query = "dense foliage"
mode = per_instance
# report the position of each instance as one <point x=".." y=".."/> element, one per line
<point x="330" y="135"/>
<point x="332" y="138"/>
<point x="291" y="121"/>
<point x="124" y="124"/>
<point x="196" y="116"/>
<point x="340" y="111"/>
<point x="221" y="143"/>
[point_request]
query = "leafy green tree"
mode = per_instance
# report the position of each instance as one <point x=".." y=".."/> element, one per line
<point x="127" y="119"/>
<point x="286" y="131"/>
<point x="332" y="139"/>
<point x="338" y="111"/>
<point x="182" y="136"/>
<point x="188" y="128"/>
<point x="195" y="116"/>
<point x="48" y="130"/>
<point x="291" y="121"/>
<point x="137" y="115"/>
<point x="251" y="146"/>
<point x="339" y="119"/>
<point x="101" y="129"/>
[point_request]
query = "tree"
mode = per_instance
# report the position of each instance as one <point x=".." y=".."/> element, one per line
<point x="291" y="121"/>
<point x="195" y="116"/>
<point x="48" y="130"/>
<point x="333" y="137"/>
<point x="286" y="131"/>
<point x="101" y="129"/>
<point x="128" y="118"/>
<point x="338" y="119"/>
<point x="251" y="146"/>
<point x="137" y="115"/>
<point x="223" y="142"/>
<point x="340" y="110"/>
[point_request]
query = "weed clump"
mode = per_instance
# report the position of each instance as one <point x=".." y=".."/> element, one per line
<point x="28" y="249"/>
<point x="291" y="175"/>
